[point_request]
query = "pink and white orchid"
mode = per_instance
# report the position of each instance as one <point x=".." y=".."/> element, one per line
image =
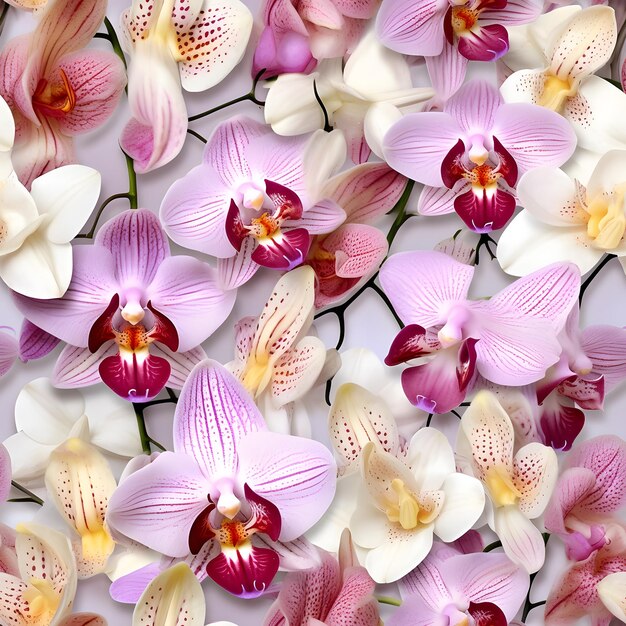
<point x="296" y="33"/>
<point x="254" y="201"/>
<point x="475" y="27"/>
<point x="5" y="474"/>
<point x="196" y="43"/>
<point x="133" y="315"/>
<point x="227" y="480"/>
<point x="612" y="592"/>
<point x="519" y="485"/>
<point x="9" y="350"/>
<point x="591" y="489"/>
<point x="471" y="155"/>
<point x="565" y="220"/>
<point x="510" y="339"/>
<point x="57" y="89"/>
<point x="456" y="588"/>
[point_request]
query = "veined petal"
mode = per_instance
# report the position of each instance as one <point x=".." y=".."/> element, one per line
<point x="284" y="250"/>
<point x="173" y="598"/>
<point x="9" y="351"/>
<point x="81" y="482"/>
<point x="521" y="539"/>
<point x="83" y="619"/>
<point x="485" y="43"/>
<point x="35" y="343"/>
<point x="474" y="107"/>
<point x="78" y="367"/>
<point x="5" y="473"/>
<point x="535" y="470"/>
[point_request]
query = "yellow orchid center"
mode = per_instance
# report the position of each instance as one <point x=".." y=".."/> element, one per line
<point x="501" y="488"/>
<point x="43" y="601"/>
<point x="555" y="92"/>
<point x="463" y="19"/>
<point x="264" y="226"/>
<point x="607" y="221"/>
<point x="254" y="374"/>
<point x="407" y="509"/>
<point x="55" y="98"/>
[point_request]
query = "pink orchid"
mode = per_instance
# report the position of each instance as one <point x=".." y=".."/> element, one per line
<point x="471" y="155"/>
<point x="335" y="593"/>
<point x="35" y="343"/>
<point x="298" y="33"/>
<point x="592" y="363"/>
<point x="475" y="27"/>
<point x="348" y="256"/>
<point x="193" y="43"/>
<point x="9" y="350"/>
<point x="510" y="339"/>
<point x="55" y="88"/>
<point x="591" y="489"/>
<point x="227" y="480"/>
<point x="132" y="315"/>
<point x="5" y="474"/>
<point x="254" y="201"/>
<point x="450" y="587"/>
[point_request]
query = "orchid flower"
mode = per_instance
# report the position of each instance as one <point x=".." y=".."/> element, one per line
<point x="196" y="43"/>
<point x="57" y="89"/>
<point x="346" y="258"/>
<point x="5" y="474"/>
<point x="470" y="155"/>
<point x="292" y="106"/>
<point x="510" y="339"/>
<point x="475" y="27"/>
<point x="612" y="592"/>
<point x="9" y="351"/>
<point x="564" y="220"/>
<point x="227" y="480"/>
<point x="35" y="343"/>
<point x="335" y="593"/>
<point x="27" y="4"/>
<point x="46" y="417"/>
<point x="519" y="485"/>
<point x="133" y="315"/>
<point x="591" y="488"/>
<point x="275" y="360"/>
<point x="579" y="44"/>
<point x="296" y="34"/>
<point x="254" y="199"/>
<point x="43" y="591"/>
<point x="577" y="594"/>
<point x="455" y="588"/>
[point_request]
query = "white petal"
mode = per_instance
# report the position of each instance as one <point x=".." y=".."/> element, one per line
<point x="29" y="459"/>
<point x="324" y="155"/>
<point x="462" y="506"/>
<point x="430" y="458"/>
<point x="612" y="592"/>
<point x="7" y="127"/>
<point x="380" y="117"/>
<point x="18" y="214"/>
<point x="521" y="539"/>
<point x="609" y="173"/>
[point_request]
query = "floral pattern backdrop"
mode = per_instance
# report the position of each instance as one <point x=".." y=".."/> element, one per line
<point x="312" y="312"/>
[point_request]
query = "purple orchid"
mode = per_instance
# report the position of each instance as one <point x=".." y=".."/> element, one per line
<point x="228" y="480"/>
<point x="591" y="489"/>
<point x="510" y="339"/>
<point x="475" y="27"/>
<point x="449" y="587"/>
<point x="133" y="316"/>
<point x="250" y="203"/>
<point x="471" y="155"/>
<point x="592" y="363"/>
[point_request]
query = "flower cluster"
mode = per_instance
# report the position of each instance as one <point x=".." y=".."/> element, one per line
<point x="448" y="453"/>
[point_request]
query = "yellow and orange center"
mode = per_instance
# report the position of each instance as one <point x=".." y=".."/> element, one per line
<point x="555" y="92"/>
<point x="408" y="511"/>
<point x="55" y="98"/>
<point x="233" y="533"/>
<point x="463" y="19"/>
<point x="501" y="488"/>
<point x="264" y="226"/>
<point x="133" y="338"/>
<point x="482" y="176"/>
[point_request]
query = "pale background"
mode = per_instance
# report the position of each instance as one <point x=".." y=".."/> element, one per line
<point x="368" y="322"/>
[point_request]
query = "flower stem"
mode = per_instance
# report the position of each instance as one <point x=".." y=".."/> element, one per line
<point x="115" y="42"/>
<point x="327" y="126"/>
<point x="596" y="270"/>
<point x="528" y="605"/>
<point x="492" y="546"/>
<point x="385" y="299"/>
<point x="402" y="215"/>
<point x="31" y="497"/>
<point x="389" y="600"/>
<point x="92" y="230"/>
<point x="132" y="181"/>
<point x="141" y="427"/>
<point x="193" y="133"/>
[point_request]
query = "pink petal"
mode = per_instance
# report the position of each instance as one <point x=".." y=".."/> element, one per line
<point x="128" y="588"/>
<point x="359" y="9"/>
<point x="411" y="342"/>
<point x="5" y="474"/>
<point x="9" y="350"/>
<point x="181" y="363"/>
<point x="78" y="367"/>
<point x="485" y="43"/>
<point x="283" y="251"/>
<point x="514" y="13"/>
<point x="475" y="106"/>
<point x="436" y="201"/>
<point x="282" y="52"/>
<point x="239" y="269"/>
<point x="606" y="347"/>
<point x="420" y="284"/>
<point x="447" y="73"/>
<point x="287" y="204"/>
<point x="324" y="217"/>
<point x="485" y="210"/>
<point x="83" y="619"/>
<point x="560" y="423"/>
<point x="411" y="28"/>
<point x="213" y="415"/>
<point x="295" y="474"/>
<point x="587" y="392"/>
<point x="356" y="603"/>
<point x="157" y="505"/>
<point x="35" y="343"/>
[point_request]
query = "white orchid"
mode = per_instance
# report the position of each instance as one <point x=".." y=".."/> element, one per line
<point x="563" y="49"/>
<point x="292" y="106"/>
<point x="612" y="592"/>
<point x="46" y="417"/>
<point x="564" y="220"/>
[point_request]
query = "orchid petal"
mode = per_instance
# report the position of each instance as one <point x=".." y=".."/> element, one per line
<point x="485" y="43"/>
<point x="605" y="346"/>
<point x="474" y="107"/>
<point x="35" y="343"/>
<point x="78" y="367"/>
<point x="9" y="351"/>
<point x="181" y="363"/>
<point x="535" y="470"/>
<point x="521" y="539"/>
<point x="5" y="473"/>
<point x="240" y="268"/>
<point x="612" y="592"/>
<point x="29" y="459"/>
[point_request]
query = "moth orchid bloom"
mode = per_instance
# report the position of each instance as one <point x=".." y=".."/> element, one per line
<point x="346" y="258"/>
<point x="297" y="34"/>
<point x="470" y="156"/>
<point x="590" y="490"/>
<point x="228" y="480"/>
<point x="42" y="591"/>
<point x="254" y="199"/>
<point x="275" y="360"/>
<point x="130" y="309"/>
<point x="46" y="417"/>
<point x="491" y="337"/>
<point x="5" y="473"/>
<point x="612" y="592"/>
<point x="450" y="587"/>
<point x="347" y="92"/>
<point x="80" y="483"/>
<point x="337" y="592"/>
<point x="193" y="43"/>
<point x="592" y="363"/>
<point x="564" y="220"/>
<point x="35" y="343"/>
<point x="9" y="350"/>
<point x="577" y="594"/>
<point x="519" y="485"/>
<point x="57" y="89"/>
<point x="475" y="27"/>
<point x="580" y="43"/>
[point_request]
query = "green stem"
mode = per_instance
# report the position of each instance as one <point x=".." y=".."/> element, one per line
<point x="596" y="271"/>
<point x="401" y="216"/>
<point x="132" y="181"/>
<point x="389" y="600"/>
<point x="92" y="230"/>
<point x="27" y="492"/>
<point x="492" y="546"/>
<point x="115" y="42"/>
<point x="141" y="427"/>
<point x="193" y="133"/>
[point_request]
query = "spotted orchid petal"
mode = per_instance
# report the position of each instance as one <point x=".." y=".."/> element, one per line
<point x="84" y="619"/>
